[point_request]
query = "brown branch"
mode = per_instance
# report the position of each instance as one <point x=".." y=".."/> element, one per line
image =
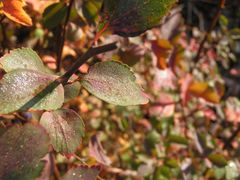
<point x="63" y="79"/>
<point x="62" y="35"/>
<point x="213" y="24"/>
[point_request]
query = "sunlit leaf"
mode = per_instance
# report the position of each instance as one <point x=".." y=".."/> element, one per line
<point x="113" y="82"/>
<point x="13" y="9"/>
<point x="24" y="58"/>
<point x="21" y="151"/>
<point x="133" y="17"/>
<point x="203" y="90"/>
<point x="198" y="88"/>
<point x="232" y="171"/>
<point x="65" y="128"/>
<point x="23" y="89"/>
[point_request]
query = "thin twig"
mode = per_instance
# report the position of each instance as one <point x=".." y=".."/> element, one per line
<point x="61" y="43"/>
<point x="55" y="168"/>
<point x="4" y="42"/>
<point x="213" y="24"/>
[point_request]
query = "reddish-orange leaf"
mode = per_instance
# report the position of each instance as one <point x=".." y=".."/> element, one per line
<point x="13" y="9"/>
<point x="161" y="49"/>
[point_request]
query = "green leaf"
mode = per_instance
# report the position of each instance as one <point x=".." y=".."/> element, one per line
<point x="82" y="173"/>
<point x="22" y="149"/>
<point x="152" y="138"/>
<point x="71" y="91"/>
<point x="113" y="82"/>
<point x="218" y="159"/>
<point x="23" y="58"/>
<point x="23" y="89"/>
<point x="133" y="17"/>
<point x="54" y="15"/>
<point x="65" y="128"/>
<point x="177" y="139"/>
<point x="91" y="9"/>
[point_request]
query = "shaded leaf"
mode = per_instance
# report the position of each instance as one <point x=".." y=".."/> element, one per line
<point x="113" y="82"/>
<point x="96" y="150"/>
<point x="132" y="55"/>
<point x="54" y="15"/>
<point x="177" y="139"/>
<point x="24" y="58"/>
<point x="13" y="9"/>
<point x="71" y="91"/>
<point x="65" y="128"/>
<point x="133" y="17"/>
<point x="218" y="159"/>
<point x="91" y="9"/>
<point x="152" y="138"/>
<point x="21" y="151"/>
<point x="18" y="90"/>
<point x="82" y="173"/>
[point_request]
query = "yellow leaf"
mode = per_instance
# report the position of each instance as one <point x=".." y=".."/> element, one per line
<point x="13" y="9"/>
<point x="211" y="95"/>
<point x="203" y="90"/>
<point x="198" y="88"/>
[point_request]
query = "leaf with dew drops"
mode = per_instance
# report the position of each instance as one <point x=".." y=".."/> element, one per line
<point x="23" y="89"/>
<point x="113" y="82"/>
<point x="22" y="58"/>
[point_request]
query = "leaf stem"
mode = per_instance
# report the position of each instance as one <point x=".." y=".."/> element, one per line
<point x="61" y="43"/>
<point x="90" y="53"/>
